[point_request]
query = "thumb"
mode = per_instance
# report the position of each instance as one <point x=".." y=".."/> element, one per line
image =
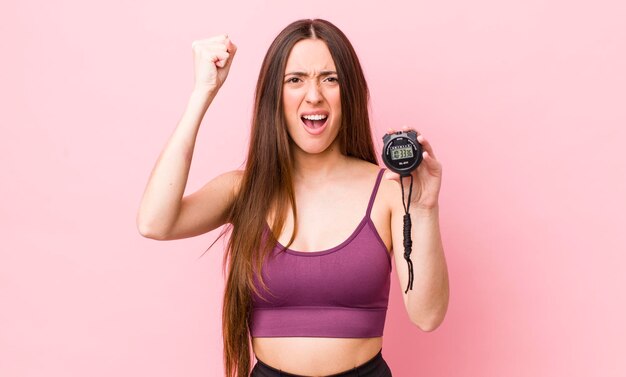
<point x="231" y="49"/>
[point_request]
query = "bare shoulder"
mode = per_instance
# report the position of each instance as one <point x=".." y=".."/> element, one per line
<point x="390" y="192"/>
<point x="366" y="172"/>
<point x="362" y="170"/>
<point x="233" y="180"/>
<point x="224" y="186"/>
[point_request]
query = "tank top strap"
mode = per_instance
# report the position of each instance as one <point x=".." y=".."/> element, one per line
<point x="374" y="191"/>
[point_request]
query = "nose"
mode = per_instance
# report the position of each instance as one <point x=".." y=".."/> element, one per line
<point x="313" y="94"/>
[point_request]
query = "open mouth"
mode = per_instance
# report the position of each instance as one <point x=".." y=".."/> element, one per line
<point x="314" y="124"/>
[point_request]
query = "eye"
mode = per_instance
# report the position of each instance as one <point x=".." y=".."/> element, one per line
<point x="292" y="80"/>
<point x="332" y="79"/>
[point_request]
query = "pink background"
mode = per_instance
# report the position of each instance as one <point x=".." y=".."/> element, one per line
<point x="523" y="101"/>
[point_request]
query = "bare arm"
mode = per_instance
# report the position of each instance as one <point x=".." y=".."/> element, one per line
<point x="163" y="213"/>
<point x="427" y="302"/>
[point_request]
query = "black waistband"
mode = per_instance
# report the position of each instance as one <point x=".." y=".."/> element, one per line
<point x="362" y="369"/>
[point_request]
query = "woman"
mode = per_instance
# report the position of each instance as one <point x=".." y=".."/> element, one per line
<point x="313" y="223"/>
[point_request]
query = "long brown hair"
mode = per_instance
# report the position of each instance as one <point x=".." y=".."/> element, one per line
<point x="266" y="186"/>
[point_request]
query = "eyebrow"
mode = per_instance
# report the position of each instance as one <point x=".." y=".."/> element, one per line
<point x="322" y="73"/>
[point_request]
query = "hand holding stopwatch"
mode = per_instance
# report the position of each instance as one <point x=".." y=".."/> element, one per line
<point x="402" y="154"/>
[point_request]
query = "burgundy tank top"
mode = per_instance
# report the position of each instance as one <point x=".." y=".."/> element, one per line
<point x="342" y="292"/>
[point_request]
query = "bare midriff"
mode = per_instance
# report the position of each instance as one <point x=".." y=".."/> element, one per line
<point x="315" y="356"/>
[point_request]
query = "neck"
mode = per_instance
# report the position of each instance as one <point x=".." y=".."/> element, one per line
<point x="318" y="167"/>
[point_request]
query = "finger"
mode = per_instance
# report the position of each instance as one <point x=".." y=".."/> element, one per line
<point x="391" y="131"/>
<point x="232" y="50"/>
<point x="426" y="145"/>
<point x="231" y="47"/>
<point x="432" y="163"/>
<point x="220" y="58"/>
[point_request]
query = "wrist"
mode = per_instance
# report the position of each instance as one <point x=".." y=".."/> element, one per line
<point x="202" y="95"/>
<point x="208" y="92"/>
<point x="428" y="211"/>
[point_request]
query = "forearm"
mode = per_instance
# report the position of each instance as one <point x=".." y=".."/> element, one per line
<point x="428" y="300"/>
<point x="162" y="196"/>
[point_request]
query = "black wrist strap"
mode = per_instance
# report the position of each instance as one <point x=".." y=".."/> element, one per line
<point x="406" y="230"/>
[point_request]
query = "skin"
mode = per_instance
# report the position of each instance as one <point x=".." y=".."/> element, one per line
<point x="327" y="185"/>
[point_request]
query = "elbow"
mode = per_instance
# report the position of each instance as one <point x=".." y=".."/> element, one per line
<point x="431" y="322"/>
<point x="148" y="231"/>
<point x="428" y="326"/>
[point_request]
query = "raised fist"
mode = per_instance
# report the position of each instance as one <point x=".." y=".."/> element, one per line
<point x="212" y="59"/>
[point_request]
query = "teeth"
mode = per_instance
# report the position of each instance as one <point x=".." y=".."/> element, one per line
<point x="315" y="117"/>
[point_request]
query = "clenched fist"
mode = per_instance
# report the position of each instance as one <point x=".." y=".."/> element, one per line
<point x="212" y="58"/>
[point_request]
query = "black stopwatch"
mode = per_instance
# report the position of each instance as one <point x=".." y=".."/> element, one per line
<point x="402" y="153"/>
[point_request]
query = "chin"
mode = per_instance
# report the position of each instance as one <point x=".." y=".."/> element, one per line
<point x="312" y="149"/>
<point x="315" y="146"/>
